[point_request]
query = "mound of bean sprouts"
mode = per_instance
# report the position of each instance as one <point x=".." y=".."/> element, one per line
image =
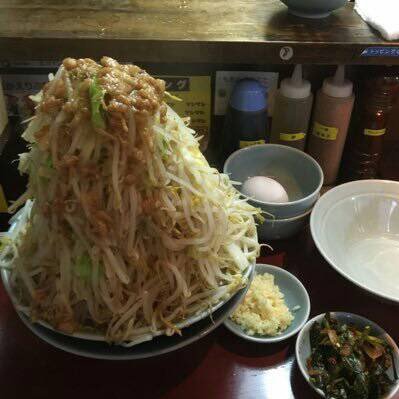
<point x="130" y="230"/>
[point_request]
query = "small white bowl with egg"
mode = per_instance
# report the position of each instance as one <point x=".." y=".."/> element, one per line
<point x="282" y="181"/>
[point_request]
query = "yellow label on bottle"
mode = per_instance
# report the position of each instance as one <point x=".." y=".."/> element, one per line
<point x="244" y="143"/>
<point x="373" y="132"/>
<point x="3" y="202"/>
<point x="292" y="136"/>
<point x="325" y="132"/>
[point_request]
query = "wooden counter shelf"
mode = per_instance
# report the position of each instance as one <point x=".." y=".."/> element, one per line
<point x="183" y="31"/>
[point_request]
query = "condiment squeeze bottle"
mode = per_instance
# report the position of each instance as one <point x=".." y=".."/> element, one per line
<point x="333" y="109"/>
<point x="292" y="109"/>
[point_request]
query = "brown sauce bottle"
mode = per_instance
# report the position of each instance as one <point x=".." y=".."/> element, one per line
<point x="367" y="137"/>
<point x="331" y="117"/>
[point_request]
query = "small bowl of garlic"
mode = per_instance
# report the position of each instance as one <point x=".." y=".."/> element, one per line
<point x="274" y="309"/>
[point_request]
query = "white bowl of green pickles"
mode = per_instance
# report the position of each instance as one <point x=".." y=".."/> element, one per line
<point x="343" y="355"/>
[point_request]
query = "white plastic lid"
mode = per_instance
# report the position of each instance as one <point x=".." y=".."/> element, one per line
<point x="295" y="86"/>
<point x="337" y="85"/>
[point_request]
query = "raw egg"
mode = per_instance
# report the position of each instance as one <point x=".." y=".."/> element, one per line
<point x="264" y="189"/>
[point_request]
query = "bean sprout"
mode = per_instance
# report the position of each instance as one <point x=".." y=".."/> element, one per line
<point x="129" y="230"/>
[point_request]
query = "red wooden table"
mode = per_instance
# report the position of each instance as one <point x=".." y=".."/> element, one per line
<point x="220" y="365"/>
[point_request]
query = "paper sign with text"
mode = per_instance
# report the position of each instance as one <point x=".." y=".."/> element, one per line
<point x="195" y="93"/>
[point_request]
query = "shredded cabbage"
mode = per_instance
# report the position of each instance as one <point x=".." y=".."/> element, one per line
<point x="96" y="94"/>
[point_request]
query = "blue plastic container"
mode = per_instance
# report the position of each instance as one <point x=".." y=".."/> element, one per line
<point x="246" y="121"/>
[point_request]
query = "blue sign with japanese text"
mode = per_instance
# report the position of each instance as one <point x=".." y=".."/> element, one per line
<point x="380" y="52"/>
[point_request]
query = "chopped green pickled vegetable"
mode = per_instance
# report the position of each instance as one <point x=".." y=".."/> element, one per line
<point x="348" y="363"/>
<point x="97" y="93"/>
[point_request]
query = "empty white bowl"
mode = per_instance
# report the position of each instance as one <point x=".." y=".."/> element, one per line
<point x="355" y="226"/>
<point x="303" y="349"/>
